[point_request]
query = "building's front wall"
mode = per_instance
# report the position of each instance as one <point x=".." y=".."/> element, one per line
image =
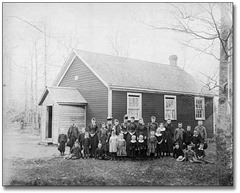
<point x="91" y="88"/>
<point x="153" y="105"/>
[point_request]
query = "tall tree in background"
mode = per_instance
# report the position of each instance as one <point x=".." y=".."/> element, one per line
<point x="210" y="24"/>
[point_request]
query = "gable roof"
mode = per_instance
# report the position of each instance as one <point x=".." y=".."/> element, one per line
<point x="63" y="95"/>
<point x="120" y="72"/>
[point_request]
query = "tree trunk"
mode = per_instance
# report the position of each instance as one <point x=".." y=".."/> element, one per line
<point x="223" y="124"/>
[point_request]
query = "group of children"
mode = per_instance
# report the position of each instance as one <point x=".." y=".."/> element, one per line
<point x="135" y="141"/>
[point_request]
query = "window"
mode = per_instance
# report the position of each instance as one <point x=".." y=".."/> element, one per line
<point x="134" y="105"/>
<point x="199" y="108"/>
<point x="170" y="109"/>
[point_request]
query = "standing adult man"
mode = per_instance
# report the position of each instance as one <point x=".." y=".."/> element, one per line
<point x="72" y="134"/>
<point x="201" y="131"/>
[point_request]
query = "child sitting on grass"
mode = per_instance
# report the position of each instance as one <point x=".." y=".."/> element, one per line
<point x="121" y="149"/>
<point x="190" y="155"/>
<point x="62" y="140"/>
<point x="74" y="152"/>
<point x="200" y="153"/>
<point x="99" y="152"/>
<point x="178" y="153"/>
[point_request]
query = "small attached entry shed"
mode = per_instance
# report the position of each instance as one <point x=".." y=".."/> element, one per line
<point x="60" y="105"/>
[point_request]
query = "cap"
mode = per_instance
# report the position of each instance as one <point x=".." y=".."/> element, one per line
<point x="126" y="117"/>
<point x="109" y="118"/>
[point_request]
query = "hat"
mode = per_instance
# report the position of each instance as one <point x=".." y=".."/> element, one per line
<point x="132" y="117"/>
<point x="109" y="118"/>
<point x="180" y="158"/>
<point x="126" y="117"/>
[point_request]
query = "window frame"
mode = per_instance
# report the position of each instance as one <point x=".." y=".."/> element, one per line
<point x="175" y="106"/>
<point x="140" y="104"/>
<point x="203" y="108"/>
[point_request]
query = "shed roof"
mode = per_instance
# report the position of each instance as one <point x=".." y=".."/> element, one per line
<point x="63" y="95"/>
<point x="137" y="74"/>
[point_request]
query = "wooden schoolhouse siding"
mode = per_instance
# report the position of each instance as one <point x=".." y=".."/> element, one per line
<point x="46" y="102"/>
<point x="153" y="105"/>
<point x="91" y="88"/>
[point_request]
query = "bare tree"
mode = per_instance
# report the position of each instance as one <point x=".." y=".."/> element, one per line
<point x="210" y="24"/>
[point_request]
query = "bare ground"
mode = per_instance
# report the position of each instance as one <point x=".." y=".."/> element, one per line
<point x="27" y="163"/>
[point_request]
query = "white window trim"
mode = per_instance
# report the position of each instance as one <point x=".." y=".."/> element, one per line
<point x="203" y="99"/>
<point x="175" y="98"/>
<point x="140" y="98"/>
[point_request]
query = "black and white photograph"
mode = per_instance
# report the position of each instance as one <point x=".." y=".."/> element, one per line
<point x="117" y="94"/>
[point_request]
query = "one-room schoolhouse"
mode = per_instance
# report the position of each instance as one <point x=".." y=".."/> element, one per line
<point x="98" y="85"/>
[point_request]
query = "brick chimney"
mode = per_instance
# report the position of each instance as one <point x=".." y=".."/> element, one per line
<point x="173" y="60"/>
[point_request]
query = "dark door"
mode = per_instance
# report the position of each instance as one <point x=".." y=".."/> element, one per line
<point x="49" y="122"/>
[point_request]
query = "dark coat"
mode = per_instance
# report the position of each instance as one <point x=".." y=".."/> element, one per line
<point x="187" y="137"/>
<point x="132" y="127"/>
<point x="86" y="142"/>
<point x="169" y="137"/>
<point x="142" y="130"/>
<point x="125" y="127"/>
<point x="73" y="131"/>
<point x="152" y="127"/>
<point x="196" y="140"/>
<point x="75" y="151"/>
<point x="62" y="138"/>
<point x="177" y="152"/>
<point x="99" y="153"/>
<point x="118" y="129"/>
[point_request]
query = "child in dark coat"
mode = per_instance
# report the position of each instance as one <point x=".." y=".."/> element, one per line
<point x="133" y="147"/>
<point x="86" y="144"/>
<point x="141" y="147"/>
<point x="152" y="143"/>
<point x="99" y="152"/>
<point x="62" y="140"/>
<point x="74" y="152"/>
<point x="160" y="143"/>
<point x="195" y="140"/>
<point x="187" y="137"/>
<point x="177" y="151"/>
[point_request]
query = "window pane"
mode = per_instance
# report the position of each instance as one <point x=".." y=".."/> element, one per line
<point x="170" y="103"/>
<point x="134" y="113"/>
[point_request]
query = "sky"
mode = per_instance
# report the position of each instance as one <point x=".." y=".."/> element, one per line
<point x="94" y="26"/>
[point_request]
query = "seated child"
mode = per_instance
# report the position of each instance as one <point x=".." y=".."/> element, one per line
<point x="141" y="147"/>
<point x="86" y="145"/>
<point x="113" y="141"/>
<point x="152" y="143"/>
<point x="121" y="149"/>
<point x="200" y="153"/>
<point x="187" y="138"/>
<point x="74" y="152"/>
<point x="99" y="152"/>
<point x="62" y="140"/>
<point x="177" y="152"/>
<point x="133" y="147"/>
<point x="195" y="140"/>
<point x="190" y="155"/>
<point x="160" y="143"/>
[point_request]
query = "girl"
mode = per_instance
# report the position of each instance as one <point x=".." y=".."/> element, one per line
<point x="160" y="142"/>
<point x="103" y="137"/>
<point x="62" y="140"/>
<point x="141" y="147"/>
<point x="152" y="142"/>
<point x="121" y="150"/>
<point x="113" y="142"/>
<point x="133" y="147"/>
<point x="93" y="130"/>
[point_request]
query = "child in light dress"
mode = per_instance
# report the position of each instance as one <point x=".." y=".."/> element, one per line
<point x="121" y="149"/>
<point x="113" y="144"/>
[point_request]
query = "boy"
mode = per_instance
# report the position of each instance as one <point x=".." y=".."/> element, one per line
<point x="62" y="140"/>
<point x="152" y="143"/>
<point x="103" y="137"/>
<point x="99" y="152"/>
<point x="195" y="140"/>
<point x="190" y="155"/>
<point x="117" y="127"/>
<point x="178" y="135"/>
<point x="141" y="147"/>
<point x="187" y="137"/>
<point x="86" y="145"/>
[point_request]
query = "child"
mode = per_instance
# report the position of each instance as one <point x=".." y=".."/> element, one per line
<point x="62" y="140"/>
<point x="164" y="143"/>
<point x="117" y="127"/>
<point x="141" y="147"/>
<point x="187" y="137"/>
<point x="153" y="125"/>
<point x="99" y="152"/>
<point x="121" y="149"/>
<point x="152" y="142"/>
<point x="190" y="155"/>
<point x="195" y="140"/>
<point x="86" y="145"/>
<point x="113" y="145"/>
<point x="178" y="135"/>
<point x="133" y="147"/>
<point x="74" y="152"/>
<point x="160" y="143"/>
<point x="103" y="137"/>
<point x="177" y="152"/>
<point x="200" y="153"/>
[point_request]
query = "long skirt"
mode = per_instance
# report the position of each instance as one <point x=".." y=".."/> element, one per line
<point x="127" y="138"/>
<point x="61" y="147"/>
<point x="94" y="144"/>
<point x="169" y="143"/>
<point x="121" y="151"/>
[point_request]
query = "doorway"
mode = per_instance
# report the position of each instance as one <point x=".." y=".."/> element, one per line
<point x="49" y="122"/>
